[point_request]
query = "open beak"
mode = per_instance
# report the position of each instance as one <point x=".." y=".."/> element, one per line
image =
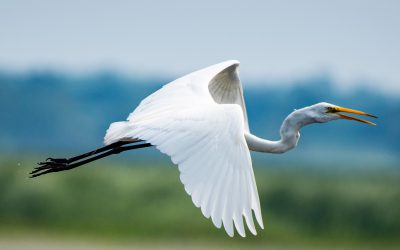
<point x="338" y="109"/>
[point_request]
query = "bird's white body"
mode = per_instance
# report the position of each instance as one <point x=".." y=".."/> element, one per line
<point x="200" y="121"/>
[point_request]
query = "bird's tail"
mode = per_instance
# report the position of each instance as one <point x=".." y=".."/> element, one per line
<point x="118" y="131"/>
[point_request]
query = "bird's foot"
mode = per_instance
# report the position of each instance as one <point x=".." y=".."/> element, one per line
<point x="49" y="166"/>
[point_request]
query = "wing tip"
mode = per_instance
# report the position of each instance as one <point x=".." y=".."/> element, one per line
<point x="230" y="63"/>
<point x="224" y="65"/>
<point x="242" y="233"/>
<point x="259" y="219"/>
<point x="229" y="230"/>
<point x="233" y="61"/>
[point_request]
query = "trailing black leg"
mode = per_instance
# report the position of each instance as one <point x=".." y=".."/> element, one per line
<point x="88" y="154"/>
<point x="57" y="165"/>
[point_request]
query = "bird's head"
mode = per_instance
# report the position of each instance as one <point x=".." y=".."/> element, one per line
<point x="325" y="112"/>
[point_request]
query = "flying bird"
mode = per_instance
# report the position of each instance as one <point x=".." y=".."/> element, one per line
<point x="200" y="121"/>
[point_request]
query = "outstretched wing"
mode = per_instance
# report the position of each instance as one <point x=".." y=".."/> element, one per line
<point x="206" y="140"/>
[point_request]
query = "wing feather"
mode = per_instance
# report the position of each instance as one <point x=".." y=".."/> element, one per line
<point x="199" y="121"/>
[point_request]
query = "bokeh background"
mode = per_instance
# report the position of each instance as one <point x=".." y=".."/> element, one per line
<point x="70" y="68"/>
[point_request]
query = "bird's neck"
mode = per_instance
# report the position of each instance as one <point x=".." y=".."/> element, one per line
<point x="290" y="134"/>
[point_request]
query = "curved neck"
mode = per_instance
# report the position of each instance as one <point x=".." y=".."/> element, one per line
<point x="289" y="134"/>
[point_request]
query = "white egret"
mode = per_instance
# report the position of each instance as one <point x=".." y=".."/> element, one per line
<point x="200" y="121"/>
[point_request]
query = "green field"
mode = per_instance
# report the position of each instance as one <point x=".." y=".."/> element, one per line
<point x="146" y="206"/>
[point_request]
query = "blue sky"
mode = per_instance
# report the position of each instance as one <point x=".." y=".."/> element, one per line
<point x="356" y="42"/>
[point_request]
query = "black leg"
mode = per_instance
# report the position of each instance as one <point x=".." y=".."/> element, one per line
<point x="85" y="155"/>
<point x="57" y="166"/>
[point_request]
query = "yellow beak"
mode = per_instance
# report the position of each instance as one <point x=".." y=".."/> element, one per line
<point x="353" y="111"/>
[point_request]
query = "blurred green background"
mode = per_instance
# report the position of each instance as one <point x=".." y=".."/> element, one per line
<point x="70" y="68"/>
<point x="116" y="204"/>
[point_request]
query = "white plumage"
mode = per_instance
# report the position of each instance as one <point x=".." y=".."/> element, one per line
<point x="199" y="120"/>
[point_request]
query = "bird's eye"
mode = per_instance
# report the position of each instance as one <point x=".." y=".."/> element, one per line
<point x="331" y="110"/>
